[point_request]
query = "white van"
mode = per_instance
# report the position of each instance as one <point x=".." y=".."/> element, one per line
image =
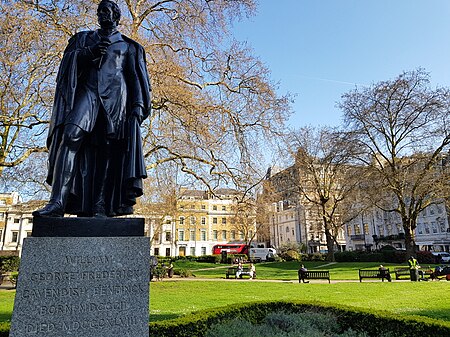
<point x="262" y="254"/>
<point x="442" y="257"/>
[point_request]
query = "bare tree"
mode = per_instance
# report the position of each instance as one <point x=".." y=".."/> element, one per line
<point x="401" y="129"/>
<point x="326" y="178"/>
<point x="26" y="67"/>
<point x="213" y="101"/>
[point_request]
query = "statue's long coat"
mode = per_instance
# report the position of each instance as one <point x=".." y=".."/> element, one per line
<point x="116" y="83"/>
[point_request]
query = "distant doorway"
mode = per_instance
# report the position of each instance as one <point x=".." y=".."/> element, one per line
<point x="182" y="251"/>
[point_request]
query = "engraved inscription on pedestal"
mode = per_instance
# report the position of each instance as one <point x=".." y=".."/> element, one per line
<point x="83" y="287"/>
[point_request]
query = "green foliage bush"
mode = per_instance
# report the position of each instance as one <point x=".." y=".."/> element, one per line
<point x="373" y="323"/>
<point x="183" y="272"/>
<point x="386" y="256"/>
<point x="4" y="329"/>
<point x="315" y="257"/>
<point x="283" y="324"/>
<point x="290" y="255"/>
<point x="232" y="257"/>
<point x="9" y="263"/>
<point x="424" y="257"/>
<point x="209" y="258"/>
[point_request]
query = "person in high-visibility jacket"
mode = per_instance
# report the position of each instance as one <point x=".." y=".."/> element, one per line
<point x="413" y="268"/>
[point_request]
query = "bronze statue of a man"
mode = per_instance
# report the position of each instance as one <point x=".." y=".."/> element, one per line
<point x="96" y="164"/>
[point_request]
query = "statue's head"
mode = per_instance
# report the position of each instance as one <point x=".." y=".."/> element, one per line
<point x="108" y="13"/>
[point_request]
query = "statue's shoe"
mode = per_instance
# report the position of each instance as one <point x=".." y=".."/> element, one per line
<point x="51" y="210"/>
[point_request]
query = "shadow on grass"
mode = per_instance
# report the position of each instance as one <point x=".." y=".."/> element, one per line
<point x="440" y="314"/>
<point x="162" y="317"/>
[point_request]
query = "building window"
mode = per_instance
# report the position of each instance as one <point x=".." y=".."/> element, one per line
<point x="192" y="235"/>
<point x="241" y="235"/>
<point x="224" y="235"/>
<point x="434" y="227"/>
<point x="192" y="249"/>
<point x="419" y="228"/>
<point x="180" y="235"/>
<point x="215" y="221"/>
<point x="215" y="235"/>
<point x="224" y="221"/>
<point x="167" y="251"/>
<point x="192" y="219"/>
<point x="203" y="220"/>
<point x="181" y="220"/>
<point x="16" y="220"/>
<point x="156" y="251"/>
<point x="427" y="229"/>
<point x="203" y="207"/>
<point x="224" y="208"/>
<point x="203" y="235"/>
<point x="366" y="228"/>
<point x="357" y="230"/>
<point x="203" y="250"/>
<point x="168" y="236"/>
<point x="287" y="229"/>
<point x="349" y="230"/>
<point x="214" y="208"/>
<point x="28" y="234"/>
<point x="233" y="235"/>
<point x="15" y="236"/>
<point x="2" y="215"/>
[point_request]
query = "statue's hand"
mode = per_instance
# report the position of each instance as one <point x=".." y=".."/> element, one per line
<point x="138" y="114"/>
<point x="100" y="48"/>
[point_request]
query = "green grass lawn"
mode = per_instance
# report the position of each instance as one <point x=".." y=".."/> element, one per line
<point x="286" y="270"/>
<point x="173" y="298"/>
<point x="169" y="299"/>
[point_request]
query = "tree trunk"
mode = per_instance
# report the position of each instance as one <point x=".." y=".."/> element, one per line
<point x="330" y="244"/>
<point x="410" y="241"/>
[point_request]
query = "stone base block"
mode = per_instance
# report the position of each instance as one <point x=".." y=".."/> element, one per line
<point x="83" y="287"/>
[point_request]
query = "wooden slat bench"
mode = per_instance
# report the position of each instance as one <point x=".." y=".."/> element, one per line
<point x="374" y="273"/>
<point x="315" y="275"/>
<point x="399" y="272"/>
<point x="232" y="272"/>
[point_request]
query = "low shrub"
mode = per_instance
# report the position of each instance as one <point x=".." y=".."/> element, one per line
<point x="283" y="324"/>
<point x="9" y="263"/>
<point x="183" y="272"/>
<point x="425" y="257"/>
<point x="373" y="323"/>
<point x="386" y="256"/>
<point x="4" y="329"/>
<point x="209" y="258"/>
<point x="290" y="255"/>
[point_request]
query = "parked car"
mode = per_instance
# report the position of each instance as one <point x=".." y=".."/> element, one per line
<point x="442" y="257"/>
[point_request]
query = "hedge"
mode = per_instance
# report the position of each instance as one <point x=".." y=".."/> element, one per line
<point x="9" y="263"/>
<point x="374" y="323"/>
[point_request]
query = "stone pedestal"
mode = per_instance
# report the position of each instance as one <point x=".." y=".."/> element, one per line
<point x="83" y="286"/>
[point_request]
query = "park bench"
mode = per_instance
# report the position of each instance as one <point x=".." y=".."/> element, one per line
<point x="315" y="275"/>
<point x="374" y="273"/>
<point x="404" y="271"/>
<point x="233" y="270"/>
<point x="399" y="272"/>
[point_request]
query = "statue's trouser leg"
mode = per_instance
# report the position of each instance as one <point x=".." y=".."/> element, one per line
<point x="101" y="178"/>
<point x="65" y="164"/>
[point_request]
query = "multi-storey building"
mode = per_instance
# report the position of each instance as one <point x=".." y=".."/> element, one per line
<point x="18" y="224"/>
<point x="295" y="219"/>
<point x="378" y="228"/>
<point x="202" y="219"/>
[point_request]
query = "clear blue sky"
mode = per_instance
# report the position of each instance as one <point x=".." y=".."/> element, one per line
<point x="320" y="49"/>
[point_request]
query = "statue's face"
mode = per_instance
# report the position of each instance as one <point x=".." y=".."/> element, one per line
<point x="105" y="16"/>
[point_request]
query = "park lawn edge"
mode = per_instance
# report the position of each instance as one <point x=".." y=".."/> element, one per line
<point x="374" y="322"/>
